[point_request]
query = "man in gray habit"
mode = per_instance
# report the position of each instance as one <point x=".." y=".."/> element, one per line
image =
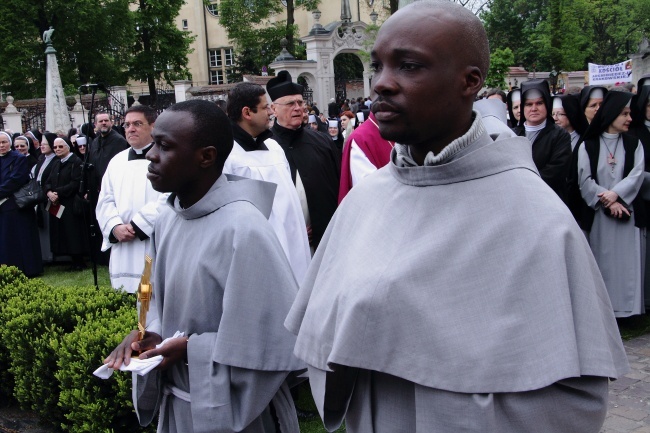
<point x="221" y="277"/>
<point x="464" y="296"/>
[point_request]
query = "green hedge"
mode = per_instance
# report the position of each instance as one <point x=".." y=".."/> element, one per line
<point x="52" y="340"/>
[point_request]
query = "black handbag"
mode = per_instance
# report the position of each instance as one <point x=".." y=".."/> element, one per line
<point x="29" y="195"/>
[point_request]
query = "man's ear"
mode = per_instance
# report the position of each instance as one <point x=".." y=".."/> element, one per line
<point x="246" y="113"/>
<point x="473" y="81"/>
<point x="208" y="156"/>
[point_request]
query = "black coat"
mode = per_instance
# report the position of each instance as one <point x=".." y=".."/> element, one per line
<point x="101" y="151"/>
<point x="551" y="154"/>
<point x="318" y="161"/>
<point x="19" y="244"/>
<point x="643" y="134"/>
<point x="68" y="233"/>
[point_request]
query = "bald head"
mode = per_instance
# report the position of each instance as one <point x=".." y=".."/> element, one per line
<point x="470" y="39"/>
<point x="430" y="61"/>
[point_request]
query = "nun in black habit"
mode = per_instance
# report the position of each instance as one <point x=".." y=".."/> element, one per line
<point x="19" y="244"/>
<point x="610" y="174"/>
<point x="67" y="233"/>
<point x="640" y="128"/>
<point x="551" y="145"/>
<point x="591" y="98"/>
<point x="41" y="172"/>
<point x="514" y="106"/>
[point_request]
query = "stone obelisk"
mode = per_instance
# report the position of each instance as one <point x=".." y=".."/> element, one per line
<point x="56" y="110"/>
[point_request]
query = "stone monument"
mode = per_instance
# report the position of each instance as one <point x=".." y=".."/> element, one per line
<point x="56" y="110"/>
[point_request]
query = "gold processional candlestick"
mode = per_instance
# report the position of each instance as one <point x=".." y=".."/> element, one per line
<point x="144" y="296"/>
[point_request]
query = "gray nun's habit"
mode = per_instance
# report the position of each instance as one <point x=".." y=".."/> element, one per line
<point x="220" y="276"/>
<point x="618" y="246"/>
<point x="471" y="302"/>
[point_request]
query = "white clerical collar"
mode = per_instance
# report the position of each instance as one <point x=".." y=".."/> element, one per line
<point x="141" y="151"/>
<point x="67" y="157"/>
<point x="535" y="128"/>
<point x="647" y="123"/>
<point x="610" y="136"/>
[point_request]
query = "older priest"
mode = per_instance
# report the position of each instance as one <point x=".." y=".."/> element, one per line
<point x="464" y="306"/>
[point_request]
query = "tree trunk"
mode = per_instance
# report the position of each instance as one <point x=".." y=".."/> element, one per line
<point x="290" y="21"/>
<point x="146" y="44"/>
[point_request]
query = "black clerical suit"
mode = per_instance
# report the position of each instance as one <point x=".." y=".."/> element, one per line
<point x="318" y="161"/>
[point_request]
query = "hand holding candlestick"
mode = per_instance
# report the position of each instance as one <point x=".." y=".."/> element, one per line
<point x="144" y="296"/>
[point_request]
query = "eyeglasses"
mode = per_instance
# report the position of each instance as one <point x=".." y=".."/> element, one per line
<point x="558" y="115"/>
<point x="81" y="145"/>
<point x="298" y="102"/>
<point x="60" y="146"/>
<point x="137" y="124"/>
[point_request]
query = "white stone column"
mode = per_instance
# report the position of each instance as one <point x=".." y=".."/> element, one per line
<point x="77" y="113"/>
<point x="367" y="74"/>
<point x="12" y="117"/>
<point x="56" y="110"/>
<point x="181" y="87"/>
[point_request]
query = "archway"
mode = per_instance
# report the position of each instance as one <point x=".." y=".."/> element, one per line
<point x="348" y="76"/>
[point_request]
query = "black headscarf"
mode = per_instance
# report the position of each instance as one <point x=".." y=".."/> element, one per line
<point x="50" y="137"/>
<point x="574" y="113"/>
<point x="542" y="87"/>
<point x="585" y="94"/>
<point x="640" y="101"/>
<point x="613" y="104"/>
<point x="513" y="121"/>
<point x="88" y="129"/>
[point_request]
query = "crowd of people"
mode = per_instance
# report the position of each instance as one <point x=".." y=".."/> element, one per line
<point x="433" y="267"/>
<point x="55" y="230"/>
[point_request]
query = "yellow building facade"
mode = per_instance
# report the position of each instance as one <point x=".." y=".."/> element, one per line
<point x="213" y="53"/>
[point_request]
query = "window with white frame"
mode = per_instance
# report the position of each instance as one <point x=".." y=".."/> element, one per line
<point x="228" y="56"/>
<point x="213" y="8"/>
<point x="217" y="76"/>
<point x="215" y="58"/>
<point x="220" y="60"/>
<point x="185" y="26"/>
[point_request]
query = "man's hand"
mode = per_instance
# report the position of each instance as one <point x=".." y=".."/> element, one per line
<point x="173" y="351"/>
<point x="124" y="351"/>
<point x="53" y="197"/>
<point x="618" y="210"/>
<point x="608" y="197"/>
<point x="124" y="232"/>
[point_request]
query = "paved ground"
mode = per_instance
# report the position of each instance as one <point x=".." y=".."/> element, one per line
<point x="629" y="399"/>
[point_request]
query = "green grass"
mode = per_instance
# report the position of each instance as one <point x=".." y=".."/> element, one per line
<point x="57" y="275"/>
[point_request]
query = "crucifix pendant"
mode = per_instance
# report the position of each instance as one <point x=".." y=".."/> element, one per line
<point x="611" y="160"/>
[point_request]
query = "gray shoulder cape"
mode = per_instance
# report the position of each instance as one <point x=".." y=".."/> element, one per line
<point x="469" y="276"/>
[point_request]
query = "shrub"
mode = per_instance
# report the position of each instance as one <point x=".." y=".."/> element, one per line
<point x="35" y="323"/>
<point x="91" y="404"/>
<point x="11" y="279"/>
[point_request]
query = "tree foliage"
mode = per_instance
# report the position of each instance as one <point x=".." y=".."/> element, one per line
<point x="256" y="38"/>
<point x="500" y="61"/>
<point x="160" y="49"/>
<point x="566" y="34"/>
<point x="89" y="40"/>
<point x="95" y="42"/>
